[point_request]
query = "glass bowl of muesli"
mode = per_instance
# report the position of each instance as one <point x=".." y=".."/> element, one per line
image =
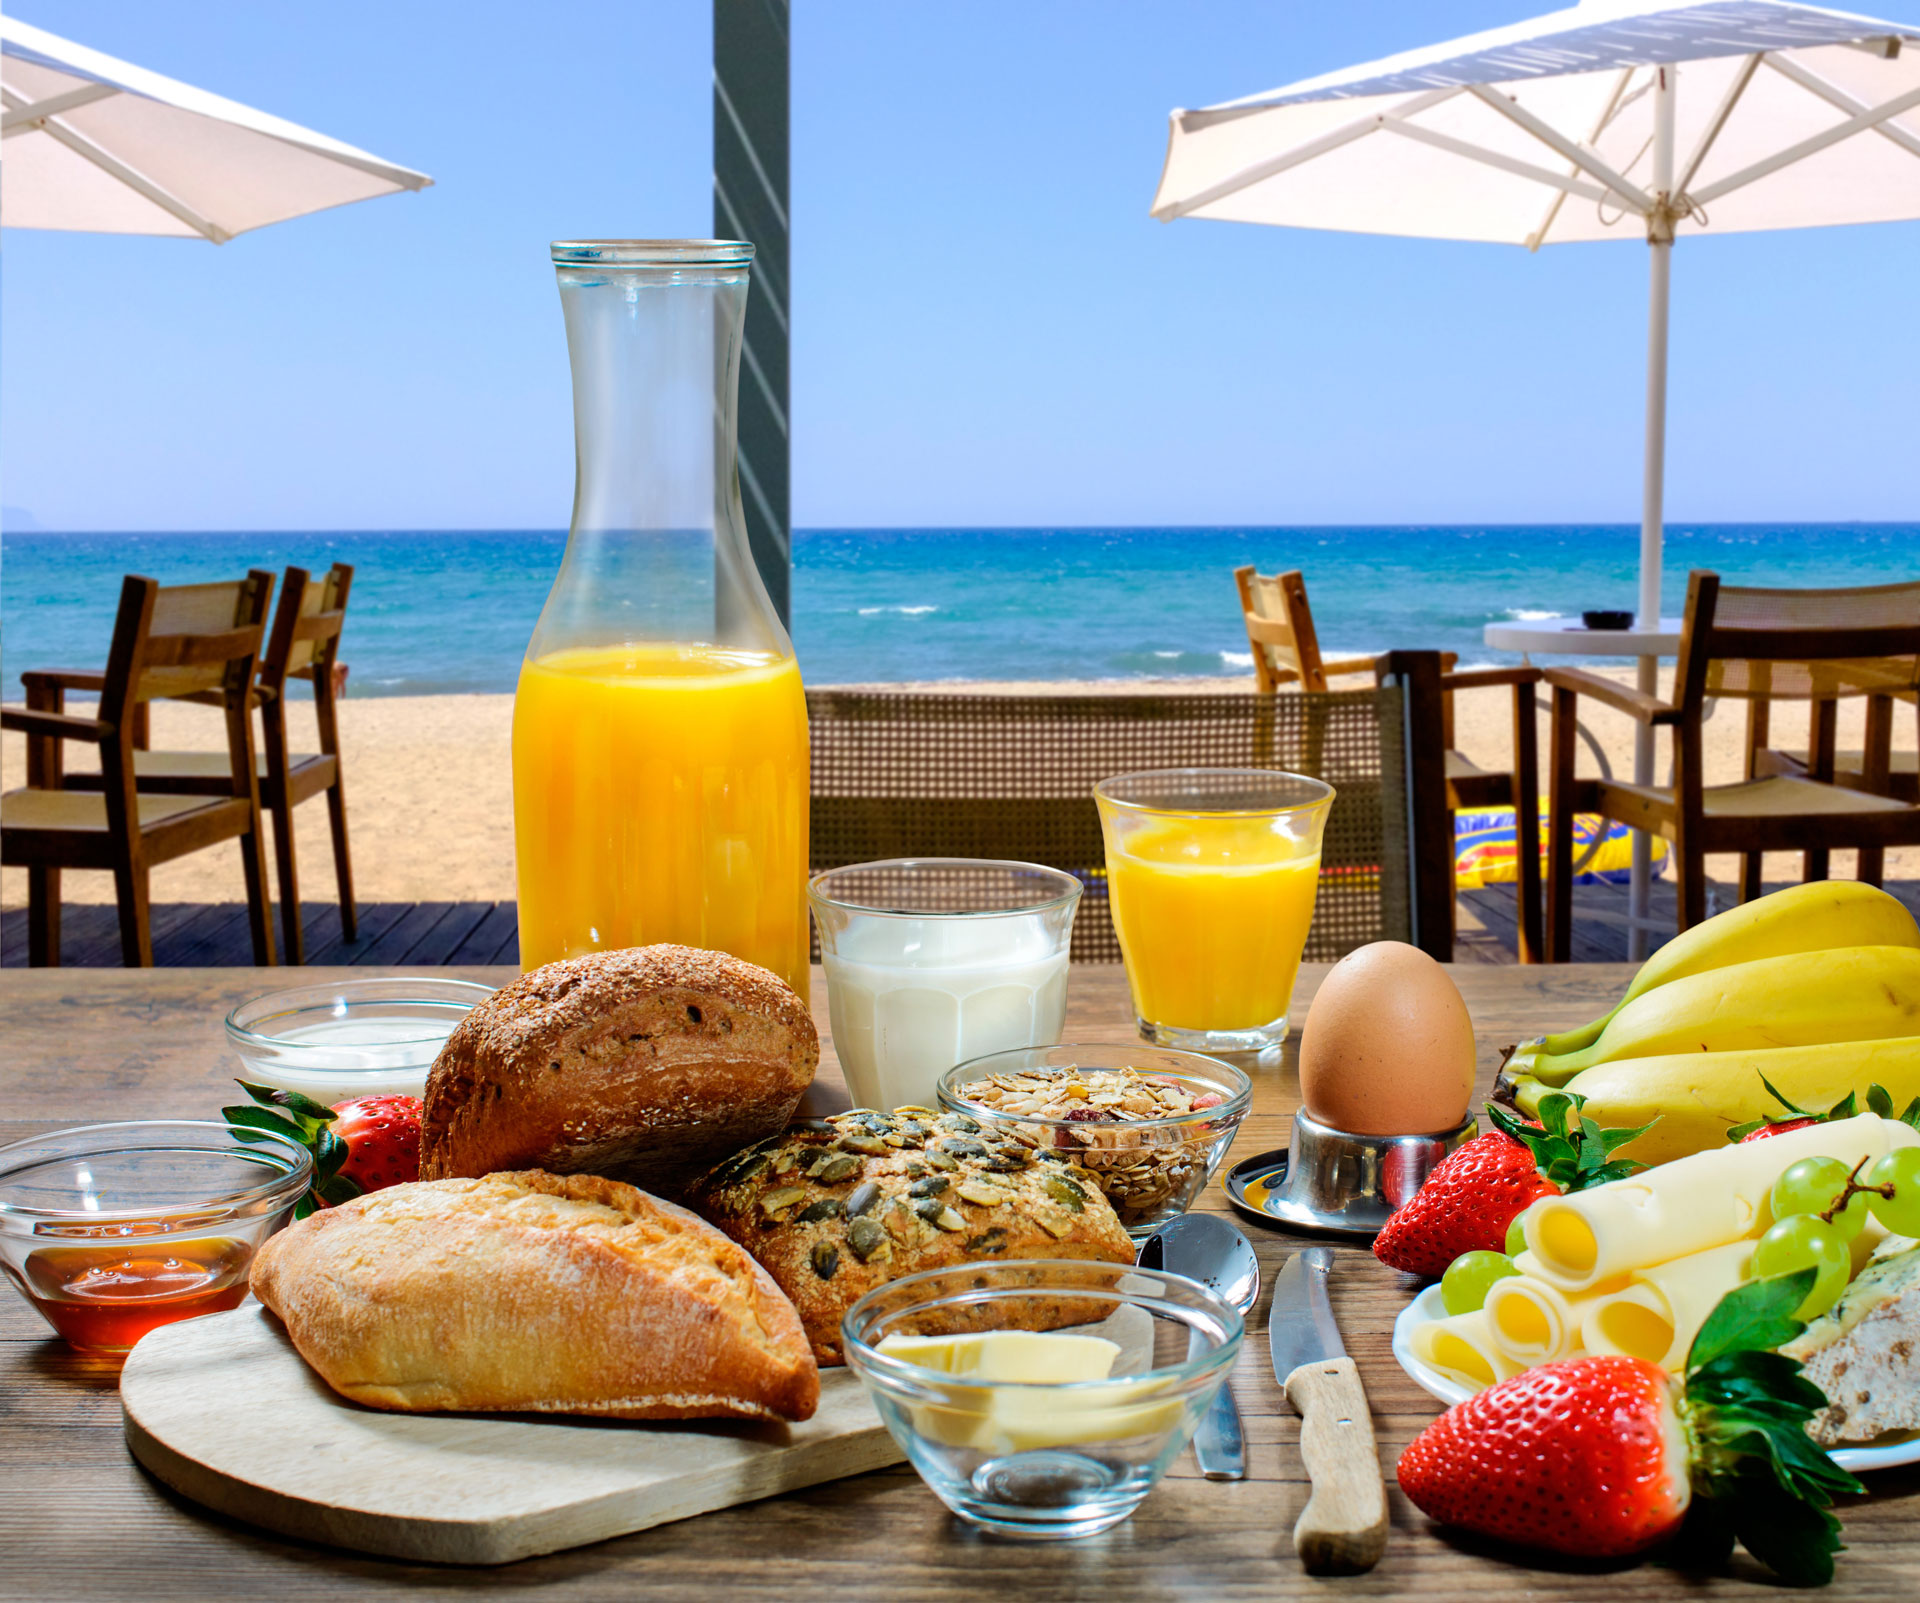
<point x="1151" y="1125"/>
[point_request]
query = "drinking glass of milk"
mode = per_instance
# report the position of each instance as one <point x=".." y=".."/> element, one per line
<point x="934" y="960"/>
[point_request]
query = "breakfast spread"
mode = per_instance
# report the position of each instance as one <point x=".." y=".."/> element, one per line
<point x="834" y="1207"/>
<point x="647" y="1065"/>
<point x="1695" y="1211"/>
<point x="1129" y="1129"/>
<point x="536" y="1293"/>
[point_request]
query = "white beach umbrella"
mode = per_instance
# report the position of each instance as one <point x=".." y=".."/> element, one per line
<point x="1617" y="119"/>
<point x="97" y="145"/>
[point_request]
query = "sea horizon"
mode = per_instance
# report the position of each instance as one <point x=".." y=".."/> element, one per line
<point x="450" y="610"/>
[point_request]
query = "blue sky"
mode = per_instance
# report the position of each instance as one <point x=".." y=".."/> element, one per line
<point x="989" y="329"/>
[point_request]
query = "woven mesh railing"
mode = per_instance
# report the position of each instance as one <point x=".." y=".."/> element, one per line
<point x="899" y="774"/>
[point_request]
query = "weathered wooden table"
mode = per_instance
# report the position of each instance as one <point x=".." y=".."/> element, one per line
<point x="78" y="1519"/>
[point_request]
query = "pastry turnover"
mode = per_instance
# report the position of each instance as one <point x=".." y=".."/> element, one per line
<point x="539" y="1293"/>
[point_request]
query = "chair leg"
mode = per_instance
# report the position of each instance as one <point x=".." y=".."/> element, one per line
<point x="1690" y="885"/>
<point x="342" y="861"/>
<point x="1872" y="869"/>
<point x="43" y="917"/>
<point x="1750" y="875"/>
<point x="288" y="875"/>
<point x="1560" y="828"/>
<point x="136" y="926"/>
<point x="253" y="863"/>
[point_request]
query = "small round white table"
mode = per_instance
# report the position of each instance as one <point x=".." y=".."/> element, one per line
<point x="1569" y="637"/>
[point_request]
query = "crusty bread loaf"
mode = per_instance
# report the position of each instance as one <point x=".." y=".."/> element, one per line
<point x="835" y="1207"/>
<point x="537" y="1293"/>
<point x="646" y="1065"/>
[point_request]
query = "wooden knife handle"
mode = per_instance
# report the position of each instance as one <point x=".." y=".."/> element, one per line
<point x="1343" y="1528"/>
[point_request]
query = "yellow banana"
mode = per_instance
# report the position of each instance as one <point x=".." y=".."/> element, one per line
<point x="1850" y="993"/>
<point x="1699" y="1096"/>
<point x="1802" y="918"/>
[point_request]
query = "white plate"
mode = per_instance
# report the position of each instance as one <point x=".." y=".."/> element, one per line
<point x="1427" y="1307"/>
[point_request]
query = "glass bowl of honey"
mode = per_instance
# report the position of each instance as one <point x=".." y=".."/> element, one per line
<point x="110" y="1230"/>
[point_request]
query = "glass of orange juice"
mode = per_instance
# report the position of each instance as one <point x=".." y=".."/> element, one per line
<point x="1211" y="875"/>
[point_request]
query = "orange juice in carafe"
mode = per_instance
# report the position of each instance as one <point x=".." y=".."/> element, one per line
<point x="660" y="771"/>
<point x="660" y="794"/>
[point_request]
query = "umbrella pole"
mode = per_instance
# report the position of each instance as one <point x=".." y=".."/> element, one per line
<point x="1652" y="509"/>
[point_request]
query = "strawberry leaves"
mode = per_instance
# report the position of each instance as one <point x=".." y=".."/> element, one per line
<point x="1571" y="1150"/>
<point x="292" y="1117"/>
<point x="1747" y="1409"/>
<point x="1878" y="1101"/>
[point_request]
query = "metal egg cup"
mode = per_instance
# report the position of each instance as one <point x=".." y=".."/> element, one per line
<point x="1337" y="1181"/>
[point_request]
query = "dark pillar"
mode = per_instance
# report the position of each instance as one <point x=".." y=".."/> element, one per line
<point x="750" y="202"/>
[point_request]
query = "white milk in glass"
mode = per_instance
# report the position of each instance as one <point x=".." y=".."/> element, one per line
<point x="911" y="997"/>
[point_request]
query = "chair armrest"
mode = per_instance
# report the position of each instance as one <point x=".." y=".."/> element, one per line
<point x="55" y="725"/>
<point x="1332" y="667"/>
<point x="63" y="679"/>
<point x="1489" y="678"/>
<point x="1636" y="704"/>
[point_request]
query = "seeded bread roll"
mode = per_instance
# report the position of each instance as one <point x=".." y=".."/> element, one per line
<point x="647" y="1065"/>
<point x="538" y="1293"/>
<point x="835" y="1207"/>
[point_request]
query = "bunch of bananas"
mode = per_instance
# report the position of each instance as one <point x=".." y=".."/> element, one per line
<point x="1814" y="990"/>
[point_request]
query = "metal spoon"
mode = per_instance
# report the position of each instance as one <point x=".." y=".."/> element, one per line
<point x="1204" y="1247"/>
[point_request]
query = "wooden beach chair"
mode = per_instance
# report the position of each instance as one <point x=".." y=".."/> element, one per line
<point x="198" y="640"/>
<point x="304" y="643"/>
<point x="1748" y="644"/>
<point x="905" y="774"/>
<point x="1286" y="650"/>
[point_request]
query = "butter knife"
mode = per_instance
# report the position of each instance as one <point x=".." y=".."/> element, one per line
<point x="1343" y="1528"/>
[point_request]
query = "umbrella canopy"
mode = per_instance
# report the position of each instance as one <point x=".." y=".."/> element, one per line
<point x="101" y="146"/>
<point x="1791" y="116"/>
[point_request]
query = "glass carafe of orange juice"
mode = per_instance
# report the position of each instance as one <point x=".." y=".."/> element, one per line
<point x="659" y="733"/>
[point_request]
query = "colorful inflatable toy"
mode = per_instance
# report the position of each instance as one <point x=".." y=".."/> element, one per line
<point x="1483" y="840"/>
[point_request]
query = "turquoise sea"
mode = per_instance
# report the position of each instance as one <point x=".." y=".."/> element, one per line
<point x="450" y="611"/>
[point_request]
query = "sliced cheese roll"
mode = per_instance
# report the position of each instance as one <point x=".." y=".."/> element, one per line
<point x="1661" y="1309"/>
<point x="1530" y="1321"/>
<point x="1685" y="1207"/>
<point x="1461" y="1347"/>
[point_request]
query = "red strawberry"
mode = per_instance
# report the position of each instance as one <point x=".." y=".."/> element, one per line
<point x="1602" y="1457"/>
<point x="1781" y="1128"/>
<point x="382" y="1134"/>
<point x="1464" y="1205"/>
<point x="1476" y="1191"/>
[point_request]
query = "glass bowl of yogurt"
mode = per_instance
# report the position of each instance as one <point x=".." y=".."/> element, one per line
<point x="350" y="1038"/>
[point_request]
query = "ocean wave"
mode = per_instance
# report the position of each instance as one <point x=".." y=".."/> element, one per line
<point x="1237" y="659"/>
<point x="1527" y="614"/>
<point x="905" y="612"/>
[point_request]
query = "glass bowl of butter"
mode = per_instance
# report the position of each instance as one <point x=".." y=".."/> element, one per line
<point x="1042" y="1398"/>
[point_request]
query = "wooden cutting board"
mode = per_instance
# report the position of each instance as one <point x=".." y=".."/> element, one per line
<point x="227" y="1413"/>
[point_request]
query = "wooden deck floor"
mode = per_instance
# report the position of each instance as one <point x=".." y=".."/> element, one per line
<point x="432" y="934"/>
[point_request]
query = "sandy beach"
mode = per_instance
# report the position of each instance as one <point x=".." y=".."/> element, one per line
<point x="430" y="795"/>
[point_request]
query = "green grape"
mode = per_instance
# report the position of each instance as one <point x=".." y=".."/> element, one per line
<point x="1470" y="1277"/>
<point x="1900" y="1169"/>
<point x="1813" y="1185"/>
<point x="1803" y="1242"/>
<point x="1516" y="1237"/>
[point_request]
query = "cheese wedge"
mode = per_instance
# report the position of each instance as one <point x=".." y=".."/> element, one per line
<point x="1462" y="1348"/>
<point x="1686" y="1206"/>
<point x="1661" y="1309"/>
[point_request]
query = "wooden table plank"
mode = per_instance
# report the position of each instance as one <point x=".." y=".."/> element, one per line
<point x="78" y="1520"/>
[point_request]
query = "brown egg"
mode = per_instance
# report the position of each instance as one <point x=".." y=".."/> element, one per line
<point x="1388" y="1045"/>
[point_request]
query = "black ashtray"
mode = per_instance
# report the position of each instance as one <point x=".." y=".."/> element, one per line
<point x="1607" y="620"/>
